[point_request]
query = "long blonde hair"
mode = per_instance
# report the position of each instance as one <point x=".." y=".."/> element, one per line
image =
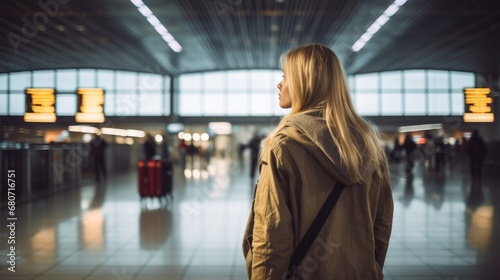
<point x="316" y="82"/>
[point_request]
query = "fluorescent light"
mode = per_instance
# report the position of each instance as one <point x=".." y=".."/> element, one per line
<point x="383" y="19"/>
<point x="391" y="10"/>
<point x="421" y="127"/>
<point x="176" y="47"/>
<point x="161" y="30"/>
<point x="400" y="2"/>
<point x="220" y="127"/>
<point x="145" y="11"/>
<point x="155" y="22"/>
<point x="137" y="3"/>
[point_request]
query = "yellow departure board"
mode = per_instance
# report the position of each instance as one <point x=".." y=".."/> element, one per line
<point x="40" y="105"/>
<point x="90" y="106"/>
<point x="478" y="105"/>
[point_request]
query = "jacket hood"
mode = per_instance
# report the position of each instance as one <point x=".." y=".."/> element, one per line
<point x="311" y="132"/>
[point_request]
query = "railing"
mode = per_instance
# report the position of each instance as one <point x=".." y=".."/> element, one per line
<point x="40" y="169"/>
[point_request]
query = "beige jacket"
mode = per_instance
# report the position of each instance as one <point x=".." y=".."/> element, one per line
<point x="297" y="175"/>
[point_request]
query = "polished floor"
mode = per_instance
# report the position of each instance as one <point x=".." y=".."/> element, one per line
<point x="445" y="227"/>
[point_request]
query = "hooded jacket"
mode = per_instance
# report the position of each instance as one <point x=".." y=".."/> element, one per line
<point x="298" y="171"/>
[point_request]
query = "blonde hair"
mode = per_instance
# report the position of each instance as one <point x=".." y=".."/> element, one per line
<point x="316" y="82"/>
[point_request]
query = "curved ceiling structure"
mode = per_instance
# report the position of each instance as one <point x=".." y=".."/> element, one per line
<point x="242" y="34"/>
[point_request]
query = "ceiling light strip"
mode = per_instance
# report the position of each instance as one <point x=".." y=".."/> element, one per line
<point x="381" y="20"/>
<point x="155" y="22"/>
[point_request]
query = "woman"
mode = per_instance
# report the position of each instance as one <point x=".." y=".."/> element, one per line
<point x="320" y="142"/>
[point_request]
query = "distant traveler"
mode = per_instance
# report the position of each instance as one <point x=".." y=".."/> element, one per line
<point x="321" y="142"/>
<point x="149" y="147"/>
<point x="98" y="151"/>
<point x="477" y="150"/>
<point x="410" y="147"/>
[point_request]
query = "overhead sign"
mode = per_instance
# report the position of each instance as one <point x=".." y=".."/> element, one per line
<point x="478" y="102"/>
<point x="90" y="105"/>
<point x="40" y="105"/>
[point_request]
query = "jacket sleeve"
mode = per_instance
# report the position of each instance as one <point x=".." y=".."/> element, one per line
<point x="383" y="219"/>
<point x="273" y="236"/>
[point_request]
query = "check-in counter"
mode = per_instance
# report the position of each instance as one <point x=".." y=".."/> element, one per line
<point x="40" y="169"/>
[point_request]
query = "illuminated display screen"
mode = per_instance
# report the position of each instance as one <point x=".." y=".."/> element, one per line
<point x="40" y="105"/>
<point x="478" y="102"/>
<point x="90" y="105"/>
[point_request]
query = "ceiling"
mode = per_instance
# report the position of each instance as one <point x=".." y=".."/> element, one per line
<point x="461" y="35"/>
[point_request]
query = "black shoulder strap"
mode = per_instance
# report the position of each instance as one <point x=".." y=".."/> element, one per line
<point x="314" y="229"/>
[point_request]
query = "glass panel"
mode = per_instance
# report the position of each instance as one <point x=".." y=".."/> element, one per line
<point x="109" y="104"/>
<point x="367" y="104"/>
<point x="392" y="104"/>
<point x="150" y="104"/>
<point x="261" y="79"/>
<point x="215" y="81"/>
<point x="66" y="80"/>
<point x="366" y="81"/>
<point x="126" y="80"/>
<point x="20" y="80"/>
<point x="261" y="104"/>
<point x="43" y="78"/>
<point x="17" y="104"/>
<point x="166" y="108"/>
<point x="438" y="79"/>
<point x="276" y="109"/>
<point x="190" y="82"/>
<point x="415" y="104"/>
<point x="238" y="105"/>
<point x="3" y="104"/>
<point x="126" y="104"/>
<point x="238" y="80"/>
<point x="439" y="104"/>
<point x="87" y="78"/>
<point x="461" y="80"/>
<point x="167" y="83"/>
<point x="105" y="79"/>
<point x="457" y="104"/>
<point x="149" y="81"/>
<point x="214" y="104"/>
<point x="350" y="81"/>
<point x="66" y="104"/>
<point x="414" y="79"/>
<point x="190" y="104"/>
<point x="391" y="80"/>
<point x="3" y="81"/>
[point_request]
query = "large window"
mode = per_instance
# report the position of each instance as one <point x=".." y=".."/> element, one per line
<point x="410" y="92"/>
<point x="235" y="93"/>
<point x="125" y="93"/>
<point x="230" y="93"/>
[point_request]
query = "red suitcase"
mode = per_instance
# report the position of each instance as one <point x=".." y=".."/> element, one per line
<point x="155" y="178"/>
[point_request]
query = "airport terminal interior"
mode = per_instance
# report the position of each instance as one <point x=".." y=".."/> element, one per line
<point x="90" y="89"/>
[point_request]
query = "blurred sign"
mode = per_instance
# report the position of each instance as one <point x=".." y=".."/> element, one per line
<point x="478" y="102"/>
<point x="40" y="105"/>
<point x="90" y="105"/>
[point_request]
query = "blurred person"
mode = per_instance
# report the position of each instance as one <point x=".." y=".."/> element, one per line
<point x="440" y="152"/>
<point x="241" y="151"/>
<point x="182" y="147"/>
<point x="410" y="148"/>
<point x="98" y="151"/>
<point x="396" y="150"/>
<point x="165" y="147"/>
<point x="321" y="141"/>
<point x="429" y="150"/>
<point x="149" y="146"/>
<point x="477" y="151"/>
